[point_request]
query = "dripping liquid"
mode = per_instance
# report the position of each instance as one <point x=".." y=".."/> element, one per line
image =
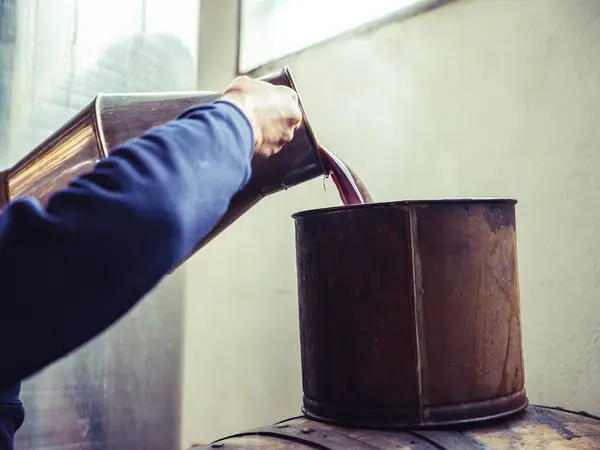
<point x="350" y="187"/>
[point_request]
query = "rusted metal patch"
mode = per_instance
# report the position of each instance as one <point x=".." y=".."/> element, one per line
<point x="498" y="218"/>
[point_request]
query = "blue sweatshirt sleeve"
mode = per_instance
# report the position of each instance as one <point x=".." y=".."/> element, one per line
<point x="12" y="415"/>
<point x="73" y="268"/>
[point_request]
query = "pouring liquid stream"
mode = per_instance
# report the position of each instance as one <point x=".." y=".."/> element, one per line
<point x="350" y="187"/>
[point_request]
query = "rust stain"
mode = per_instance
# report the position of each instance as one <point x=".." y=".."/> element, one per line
<point x="498" y="218"/>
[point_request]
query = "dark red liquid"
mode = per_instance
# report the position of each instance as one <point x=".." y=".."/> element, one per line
<point x="349" y="185"/>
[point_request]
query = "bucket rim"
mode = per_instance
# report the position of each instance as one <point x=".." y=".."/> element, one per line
<point x="408" y="202"/>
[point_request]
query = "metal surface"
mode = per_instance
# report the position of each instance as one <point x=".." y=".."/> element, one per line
<point x="110" y="120"/>
<point x="123" y="389"/>
<point x="409" y="313"/>
<point x="537" y="428"/>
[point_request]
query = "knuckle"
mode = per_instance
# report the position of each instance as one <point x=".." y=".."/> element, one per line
<point x="241" y="81"/>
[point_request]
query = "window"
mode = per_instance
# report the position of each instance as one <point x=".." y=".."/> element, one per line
<point x="68" y="51"/>
<point x="271" y="29"/>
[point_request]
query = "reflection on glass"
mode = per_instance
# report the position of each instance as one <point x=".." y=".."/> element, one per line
<point x="7" y="56"/>
<point x="121" y="390"/>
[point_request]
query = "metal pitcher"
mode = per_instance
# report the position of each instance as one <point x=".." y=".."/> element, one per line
<point x="110" y="120"/>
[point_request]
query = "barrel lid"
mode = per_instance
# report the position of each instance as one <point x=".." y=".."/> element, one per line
<point x="409" y="202"/>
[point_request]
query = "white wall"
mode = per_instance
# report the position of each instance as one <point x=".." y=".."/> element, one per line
<point x="478" y="98"/>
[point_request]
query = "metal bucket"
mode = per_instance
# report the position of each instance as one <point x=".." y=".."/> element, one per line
<point x="409" y="313"/>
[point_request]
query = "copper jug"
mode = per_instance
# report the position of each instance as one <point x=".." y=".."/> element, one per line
<point x="110" y="120"/>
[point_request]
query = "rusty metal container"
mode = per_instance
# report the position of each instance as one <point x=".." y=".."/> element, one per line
<point x="538" y="428"/>
<point x="409" y="313"/>
<point x="110" y="120"/>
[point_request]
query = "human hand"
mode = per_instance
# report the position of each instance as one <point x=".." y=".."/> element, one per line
<point x="273" y="112"/>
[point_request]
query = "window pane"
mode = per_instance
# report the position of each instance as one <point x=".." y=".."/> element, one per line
<point x="65" y="52"/>
<point x="271" y="29"/>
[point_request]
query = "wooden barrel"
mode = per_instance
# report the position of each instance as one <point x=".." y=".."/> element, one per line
<point x="409" y="313"/>
<point x="537" y="428"/>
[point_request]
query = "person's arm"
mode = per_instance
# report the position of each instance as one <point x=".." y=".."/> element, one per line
<point x="71" y="269"/>
<point x="11" y="415"/>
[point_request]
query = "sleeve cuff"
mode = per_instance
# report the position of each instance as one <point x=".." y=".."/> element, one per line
<point x="237" y="116"/>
